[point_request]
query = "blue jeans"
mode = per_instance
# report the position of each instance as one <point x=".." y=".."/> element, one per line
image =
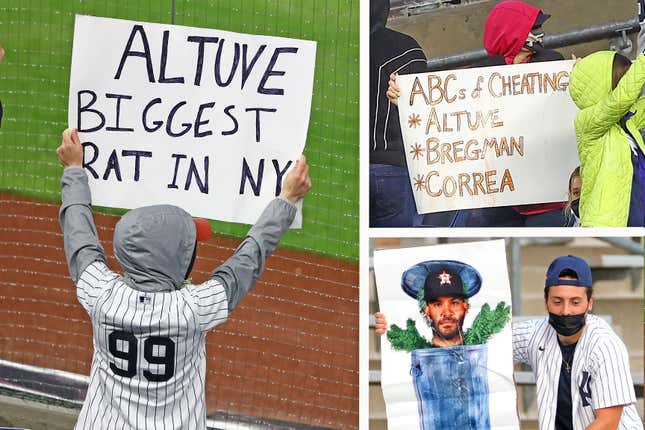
<point x="391" y="199"/>
<point x="451" y="385"/>
<point x="442" y="219"/>
<point x="506" y="216"/>
<point x="556" y="218"/>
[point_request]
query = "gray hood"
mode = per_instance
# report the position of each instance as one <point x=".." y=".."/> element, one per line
<point x="155" y="246"/>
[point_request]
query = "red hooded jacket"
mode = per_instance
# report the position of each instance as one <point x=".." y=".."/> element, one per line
<point x="507" y="27"/>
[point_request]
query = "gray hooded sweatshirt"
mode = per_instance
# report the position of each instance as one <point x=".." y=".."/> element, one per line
<point x="149" y="325"/>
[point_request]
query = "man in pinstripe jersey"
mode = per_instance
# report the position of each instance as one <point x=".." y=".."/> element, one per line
<point x="581" y="366"/>
<point x="149" y="325"/>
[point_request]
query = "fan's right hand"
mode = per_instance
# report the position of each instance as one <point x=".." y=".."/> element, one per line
<point x="393" y="90"/>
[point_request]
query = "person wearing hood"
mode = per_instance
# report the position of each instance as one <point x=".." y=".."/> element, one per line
<point x="391" y="198"/>
<point x="606" y="87"/>
<point x="512" y="35"/>
<point x="581" y="366"/>
<point x="150" y="325"/>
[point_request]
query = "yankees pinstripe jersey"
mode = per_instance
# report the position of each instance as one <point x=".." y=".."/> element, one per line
<point x="149" y="326"/>
<point x="600" y="375"/>
<point x="149" y="363"/>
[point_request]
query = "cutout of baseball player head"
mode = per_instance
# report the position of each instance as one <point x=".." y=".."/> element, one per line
<point x="443" y="296"/>
<point x="567" y="295"/>
<point x="446" y="357"/>
<point x="157" y="246"/>
<point x="445" y="310"/>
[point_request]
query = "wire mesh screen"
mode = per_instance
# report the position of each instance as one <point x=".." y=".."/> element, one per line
<point x="34" y="79"/>
<point x="289" y="353"/>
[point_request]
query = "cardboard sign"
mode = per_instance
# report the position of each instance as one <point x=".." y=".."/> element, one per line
<point x="205" y="119"/>
<point x="492" y="136"/>
<point x="431" y="385"/>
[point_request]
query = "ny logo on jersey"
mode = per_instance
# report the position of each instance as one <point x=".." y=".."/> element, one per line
<point x="585" y="389"/>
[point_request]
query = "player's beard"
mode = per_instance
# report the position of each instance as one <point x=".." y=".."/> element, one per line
<point x="445" y="333"/>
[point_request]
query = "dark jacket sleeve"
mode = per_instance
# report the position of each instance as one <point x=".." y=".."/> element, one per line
<point x="82" y="246"/>
<point x="414" y="61"/>
<point x="243" y="268"/>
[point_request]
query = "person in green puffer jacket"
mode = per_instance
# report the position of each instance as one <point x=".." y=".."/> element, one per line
<point x="606" y="88"/>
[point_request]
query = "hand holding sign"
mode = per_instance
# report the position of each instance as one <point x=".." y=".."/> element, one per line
<point x="393" y="90"/>
<point x="70" y="151"/>
<point x="380" y="323"/>
<point x="486" y="137"/>
<point x="297" y="184"/>
<point x="188" y="116"/>
<point x="415" y="288"/>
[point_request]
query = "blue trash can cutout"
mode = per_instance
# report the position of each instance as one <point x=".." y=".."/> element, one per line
<point x="451" y="385"/>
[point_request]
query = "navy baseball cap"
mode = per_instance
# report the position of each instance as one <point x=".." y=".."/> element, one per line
<point x="444" y="282"/>
<point x="568" y="262"/>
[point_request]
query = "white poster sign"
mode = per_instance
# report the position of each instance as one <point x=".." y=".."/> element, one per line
<point x="205" y="119"/>
<point x="460" y="371"/>
<point x="492" y="136"/>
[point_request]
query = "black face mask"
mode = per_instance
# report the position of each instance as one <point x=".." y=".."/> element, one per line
<point x="566" y="325"/>
<point x="575" y="207"/>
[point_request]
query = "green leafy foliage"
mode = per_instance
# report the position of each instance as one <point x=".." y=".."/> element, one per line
<point x="408" y="339"/>
<point x="487" y="323"/>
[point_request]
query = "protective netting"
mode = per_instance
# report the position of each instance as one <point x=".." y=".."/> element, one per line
<point x="34" y="80"/>
<point x="289" y="353"/>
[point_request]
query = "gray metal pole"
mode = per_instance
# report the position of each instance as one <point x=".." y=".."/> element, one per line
<point x="624" y="243"/>
<point x="516" y="275"/>
<point x="574" y="37"/>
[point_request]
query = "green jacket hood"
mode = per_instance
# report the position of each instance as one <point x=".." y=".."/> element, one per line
<point x="590" y="79"/>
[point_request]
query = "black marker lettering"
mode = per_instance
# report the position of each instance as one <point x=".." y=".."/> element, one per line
<point x="236" y="60"/>
<point x="279" y="174"/>
<point x="270" y="72"/>
<point x="164" y="59"/>
<point x="177" y="158"/>
<point x="200" y="54"/>
<point x="257" y="119"/>
<point x="137" y="163"/>
<point x="95" y="153"/>
<point x="118" y="98"/>
<point x="246" y="174"/>
<point x="128" y="52"/>
<point x="113" y="164"/>
<point x="86" y="108"/>
<point x="157" y="124"/>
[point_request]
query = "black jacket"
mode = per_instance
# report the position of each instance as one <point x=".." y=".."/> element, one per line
<point x="390" y="51"/>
